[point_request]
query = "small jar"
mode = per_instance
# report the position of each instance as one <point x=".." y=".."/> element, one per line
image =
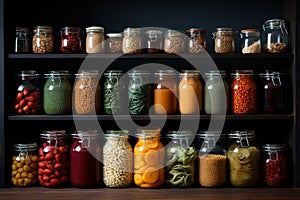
<point x="165" y="92"/>
<point x="224" y="40"/>
<point x="197" y="41"/>
<point x="57" y="93"/>
<point x="54" y="160"/>
<point x="23" y="40"/>
<point x="275" y="165"/>
<point x="275" y="36"/>
<point x="132" y="41"/>
<point x="149" y="159"/>
<point x="85" y="156"/>
<point x="87" y="92"/>
<point x="216" y="92"/>
<point x="95" y="41"/>
<point x="243" y="92"/>
<point x="244" y="159"/>
<point x="42" y="41"/>
<point x="24" y="165"/>
<point x="117" y="159"/>
<point x="71" y="40"/>
<point x="250" y="41"/>
<point x="28" y="95"/>
<point x="154" y="39"/>
<point x="114" y="42"/>
<point x="181" y="156"/>
<point x="190" y="92"/>
<point x="174" y="42"/>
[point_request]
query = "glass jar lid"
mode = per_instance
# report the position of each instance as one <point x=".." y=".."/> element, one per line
<point x="132" y="30"/>
<point x="114" y="35"/>
<point x="23" y="29"/>
<point x="195" y="31"/>
<point x="174" y="33"/>
<point x="55" y="134"/>
<point x="57" y="73"/>
<point x="43" y="28"/>
<point x="250" y="32"/>
<point x="239" y="134"/>
<point x="85" y="134"/>
<point x="113" y="73"/>
<point x="242" y="72"/>
<point x="117" y="133"/>
<point x="97" y="29"/>
<point x="139" y="73"/>
<point x="215" y="73"/>
<point x="185" y="134"/>
<point x="273" y="23"/>
<point x="25" y="73"/>
<point x="25" y="147"/>
<point x="210" y="134"/>
<point x="274" y="147"/>
<point x="149" y="132"/>
<point x="164" y="72"/>
<point x="84" y="73"/>
<point x="154" y="33"/>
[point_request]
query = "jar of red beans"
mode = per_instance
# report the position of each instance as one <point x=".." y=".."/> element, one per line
<point x="71" y="40"/>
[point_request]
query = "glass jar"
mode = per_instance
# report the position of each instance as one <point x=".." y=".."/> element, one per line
<point x="190" y="92"/>
<point x="54" y="160"/>
<point x="181" y="158"/>
<point x="139" y="92"/>
<point x="87" y="97"/>
<point x="197" y="41"/>
<point x="71" y="40"/>
<point x="114" y="92"/>
<point x="85" y="156"/>
<point x="23" y="40"/>
<point x="42" y="41"/>
<point x="216" y="92"/>
<point x="212" y="159"/>
<point x="154" y="39"/>
<point x="165" y="92"/>
<point x="243" y="92"/>
<point x="94" y="41"/>
<point x="132" y="41"/>
<point x="224" y="40"/>
<point x="24" y="165"/>
<point x="250" y="41"/>
<point x="117" y="159"/>
<point x="275" y="36"/>
<point x="149" y="159"/>
<point x="28" y="96"/>
<point x="275" y="165"/>
<point x="244" y="159"/>
<point x="57" y="93"/>
<point x="174" y="42"/>
<point x="114" y="42"/>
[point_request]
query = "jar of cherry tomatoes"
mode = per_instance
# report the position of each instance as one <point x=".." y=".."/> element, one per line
<point x="71" y="40"/>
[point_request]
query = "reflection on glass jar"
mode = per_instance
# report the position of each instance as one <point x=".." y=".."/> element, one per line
<point x="114" y="42"/>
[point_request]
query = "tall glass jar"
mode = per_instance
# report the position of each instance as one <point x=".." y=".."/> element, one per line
<point x="181" y="157"/>
<point x="190" y="92"/>
<point x="87" y="92"/>
<point x="24" y="165"/>
<point x="216" y="92"/>
<point x="224" y="40"/>
<point x="243" y="92"/>
<point x="165" y="92"/>
<point x="149" y="159"/>
<point x="244" y="159"/>
<point x="85" y="156"/>
<point x="57" y="93"/>
<point x="117" y="159"/>
<point x="275" y="36"/>
<point x="174" y="42"/>
<point x="54" y="159"/>
<point x="197" y="42"/>
<point x="95" y="40"/>
<point x="132" y="41"/>
<point x="28" y="95"/>
<point x="23" y="40"/>
<point x="114" y="42"/>
<point x="71" y="40"/>
<point x="250" y="41"/>
<point x="42" y="41"/>
<point x="154" y="39"/>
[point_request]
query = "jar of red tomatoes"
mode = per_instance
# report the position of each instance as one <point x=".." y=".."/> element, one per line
<point x="71" y="40"/>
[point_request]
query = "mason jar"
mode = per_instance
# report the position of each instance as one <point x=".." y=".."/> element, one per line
<point x="71" y="40"/>
<point x="42" y="41"/>
<point x="114" y="42"/>
<point x="23" y="40"/>
<point x="250" y="41"/>
<point x="224" y="41"/>
<point x="154" y="39"/>
<point x="174" y="42"/>
<point x="197" y="42"/>
<point x="95" y="40"/>
<point x="132" y="41"/>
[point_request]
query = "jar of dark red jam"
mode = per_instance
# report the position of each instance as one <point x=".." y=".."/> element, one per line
<point x="71" y="40"/>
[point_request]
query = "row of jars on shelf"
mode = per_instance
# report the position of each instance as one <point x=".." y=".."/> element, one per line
<point x="139" y="92"/>
<point x="274" y="40"/>
<point x="212" y="160"/>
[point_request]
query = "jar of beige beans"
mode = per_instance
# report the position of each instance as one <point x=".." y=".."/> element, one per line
<point x="42" y="41"/>
<point x="95" y="40"/>
<point x="174" y="42"/>
<point x="132" y="41"/>
<point x="224" y="40"/>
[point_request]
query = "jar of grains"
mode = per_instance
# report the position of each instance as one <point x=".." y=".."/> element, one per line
<point x="42" y="41"/>
<point x="24" y="165"/>
<point x="275" y="165"/>
<point x="243" y="92"/>
<point x="216" y="92"/>
<point x="224" y="40"/>
<point x="212" y="159"/>
<point x="275" y="36"/>
<point x="95" y="41"/>
<point x="154" y="39"/>
<point x="71" y="40"/>
<point x="53" y="166"/>
<point x="250" y="41"/>
<point x="117" y="159"/>
<point x="114" y="42"/>
<point x="244" y="159"/>
<point x="57" y="93"/>
<point x="181" y="158"/>
<point x="132" y="41"/>
<point x="23" y="40"/>
<point x="149" y="159"/>
<point x="87" y="97"/>
<point x="28" y="98"/>
<point x="197" y="41"/>
<point x="85" y="156"/>
<point x="174" y="42"/>
<point x="190" y="92"/>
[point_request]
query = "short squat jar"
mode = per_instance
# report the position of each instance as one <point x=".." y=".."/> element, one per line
<point x="154" y="39"/>
<point x="95" y="40"/>
<point x="250" y="41"/>
<point x="132" y="41"/>
<point x="197" y="41"/>
<point x="71" y="40"/>
<point x="174" y="42"/>
<point x="114" y="42"/>
<point x="224" y="41"/>
<point x="42" y="41"/>
<point x="23" y="40"/>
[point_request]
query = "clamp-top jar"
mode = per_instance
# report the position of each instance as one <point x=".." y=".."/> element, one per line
<point x="174" y="42"/>
<point x="250" y="41"/>
<point x="94" y="42"/>
<point x="154" y="41"/>
<point x="224" y="40"/>
<point x="23" y="40"/>
<point x="71" y="40"/>
<point x="42" y="41"/>
<point x="114" y="42"/>
<point x="197" y="41"/>
<point x="132" y="41"/>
